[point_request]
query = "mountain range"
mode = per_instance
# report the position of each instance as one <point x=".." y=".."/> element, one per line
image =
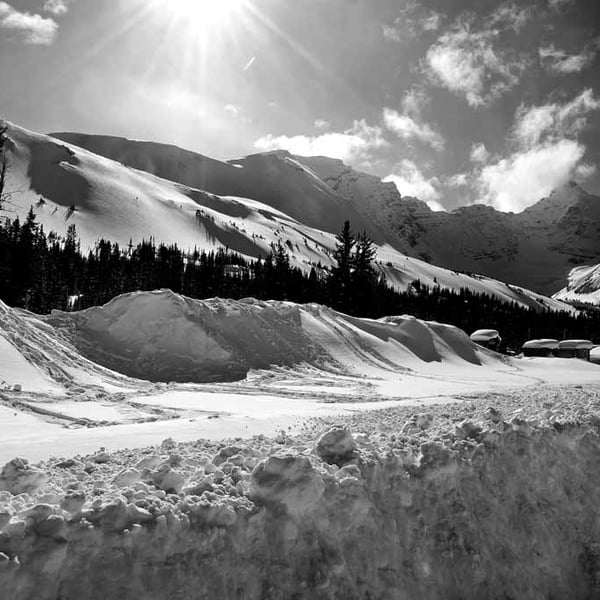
<point x="535" y="248"/>
<point x="129" y="190"/>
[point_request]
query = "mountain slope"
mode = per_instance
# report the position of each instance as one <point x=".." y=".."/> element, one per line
<point x="103" y="198"/>
<point x="583" y="286"/>
<point x="273" y="178"/>
<point x="535" y="248"/>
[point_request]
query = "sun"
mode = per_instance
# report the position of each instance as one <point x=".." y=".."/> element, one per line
<point x="204" y="12"/>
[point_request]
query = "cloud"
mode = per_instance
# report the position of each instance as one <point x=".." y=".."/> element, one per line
<point x="560" y="5"/>
<point x="479" y="153"/>
<point x="237" y="112"/>
<point x="560" y="62"/>
<point x="410" y="181"/>
<point x="545" y="154"/>
<point x="585" y="171"/>
<point x="322" y="124"/>
<point x="553" y="121"/>
<point x="353" y="145"/>
<point x="56" y="7"/>
<point x="457" y="180"/>
<point x="468" y="61"/>
<point x="414" y="20"/>
<point x="408" y="128"/>
<point x="518" y="181"/>
<point x="509" y="16"/>
<point x="31" y="28"/>
<point x="413" y="102"/>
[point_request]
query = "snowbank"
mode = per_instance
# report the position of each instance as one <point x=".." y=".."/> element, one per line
<point x="474" y="501"/>
<point x="162" y="336"/>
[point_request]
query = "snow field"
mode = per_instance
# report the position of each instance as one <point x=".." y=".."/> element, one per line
<point x="441" y="502"/>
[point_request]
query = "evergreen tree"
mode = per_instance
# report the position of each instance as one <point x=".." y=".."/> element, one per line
<point x="3" y="164"/>
<point x="341" y="274"/>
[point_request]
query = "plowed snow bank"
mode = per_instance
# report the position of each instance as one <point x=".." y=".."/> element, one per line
<point x="162" y="336"/>
<point x="463" y="502"/>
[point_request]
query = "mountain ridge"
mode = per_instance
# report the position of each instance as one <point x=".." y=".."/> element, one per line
<point x="71" y="185"/>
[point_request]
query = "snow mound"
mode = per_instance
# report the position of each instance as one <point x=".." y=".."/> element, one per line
<point x="543" y="344"/>
<point x="34" y="357"/>
<point x="485" y="335"/>
<point x="162" y="336"/>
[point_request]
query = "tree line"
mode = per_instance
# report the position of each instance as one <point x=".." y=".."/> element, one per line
<point x="42" y="271"/>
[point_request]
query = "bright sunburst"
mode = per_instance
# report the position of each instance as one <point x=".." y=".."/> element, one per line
<point x="204" y="12"/>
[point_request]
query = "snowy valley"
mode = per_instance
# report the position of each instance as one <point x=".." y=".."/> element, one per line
<point x="163" y="446"/>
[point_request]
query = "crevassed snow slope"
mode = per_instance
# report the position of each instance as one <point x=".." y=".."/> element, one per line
<point x="583" y="286"/>
<point x="103" y="198"/>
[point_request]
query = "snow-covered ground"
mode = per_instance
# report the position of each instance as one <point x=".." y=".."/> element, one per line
<point x="323" y="457"/>
<point x="245" y="368"/>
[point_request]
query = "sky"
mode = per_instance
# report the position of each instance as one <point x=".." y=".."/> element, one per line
<point x="455" y="101"/>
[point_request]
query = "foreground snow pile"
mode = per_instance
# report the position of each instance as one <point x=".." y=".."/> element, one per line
<point x="162" y="336"/>
<point x="470" y="501"/>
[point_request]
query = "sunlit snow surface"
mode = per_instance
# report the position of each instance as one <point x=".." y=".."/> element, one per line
<point x="291" y="363"/>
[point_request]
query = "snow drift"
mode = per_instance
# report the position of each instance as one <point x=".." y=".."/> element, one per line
<point x="162" y="336"/>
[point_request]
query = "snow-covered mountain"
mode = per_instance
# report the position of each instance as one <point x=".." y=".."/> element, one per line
<point x="244" y="205"/>
<point x="583" y="286"/>
<point x="536" y="248"/>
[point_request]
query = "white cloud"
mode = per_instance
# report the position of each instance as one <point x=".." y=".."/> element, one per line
<point x="237" y="112"/>
<point x="553" y="121"/>
<point x="355" y="144"/>
<point x="469" y="63"/>
<point x="322" y="124"/>
<point x="413" y="102"/>
<point x="32" y="28"/>
<point x="560" y="5"/>
<point x="585" y="171"/>
<point x="518" y="181"/>
<point x="408" y="128"/>
<point x="560" y="62"/>
<point x="410" y="181"/>
<point x="414" y="20"/>
<point x="510" y="16"/>
<point x="545" y="154"/>
<point x="479" y="153"/>
<point x="457" y="180"/>
<point x="56" y="7"/>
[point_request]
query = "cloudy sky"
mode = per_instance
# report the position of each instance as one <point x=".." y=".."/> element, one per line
<point x="456" y="101"/>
